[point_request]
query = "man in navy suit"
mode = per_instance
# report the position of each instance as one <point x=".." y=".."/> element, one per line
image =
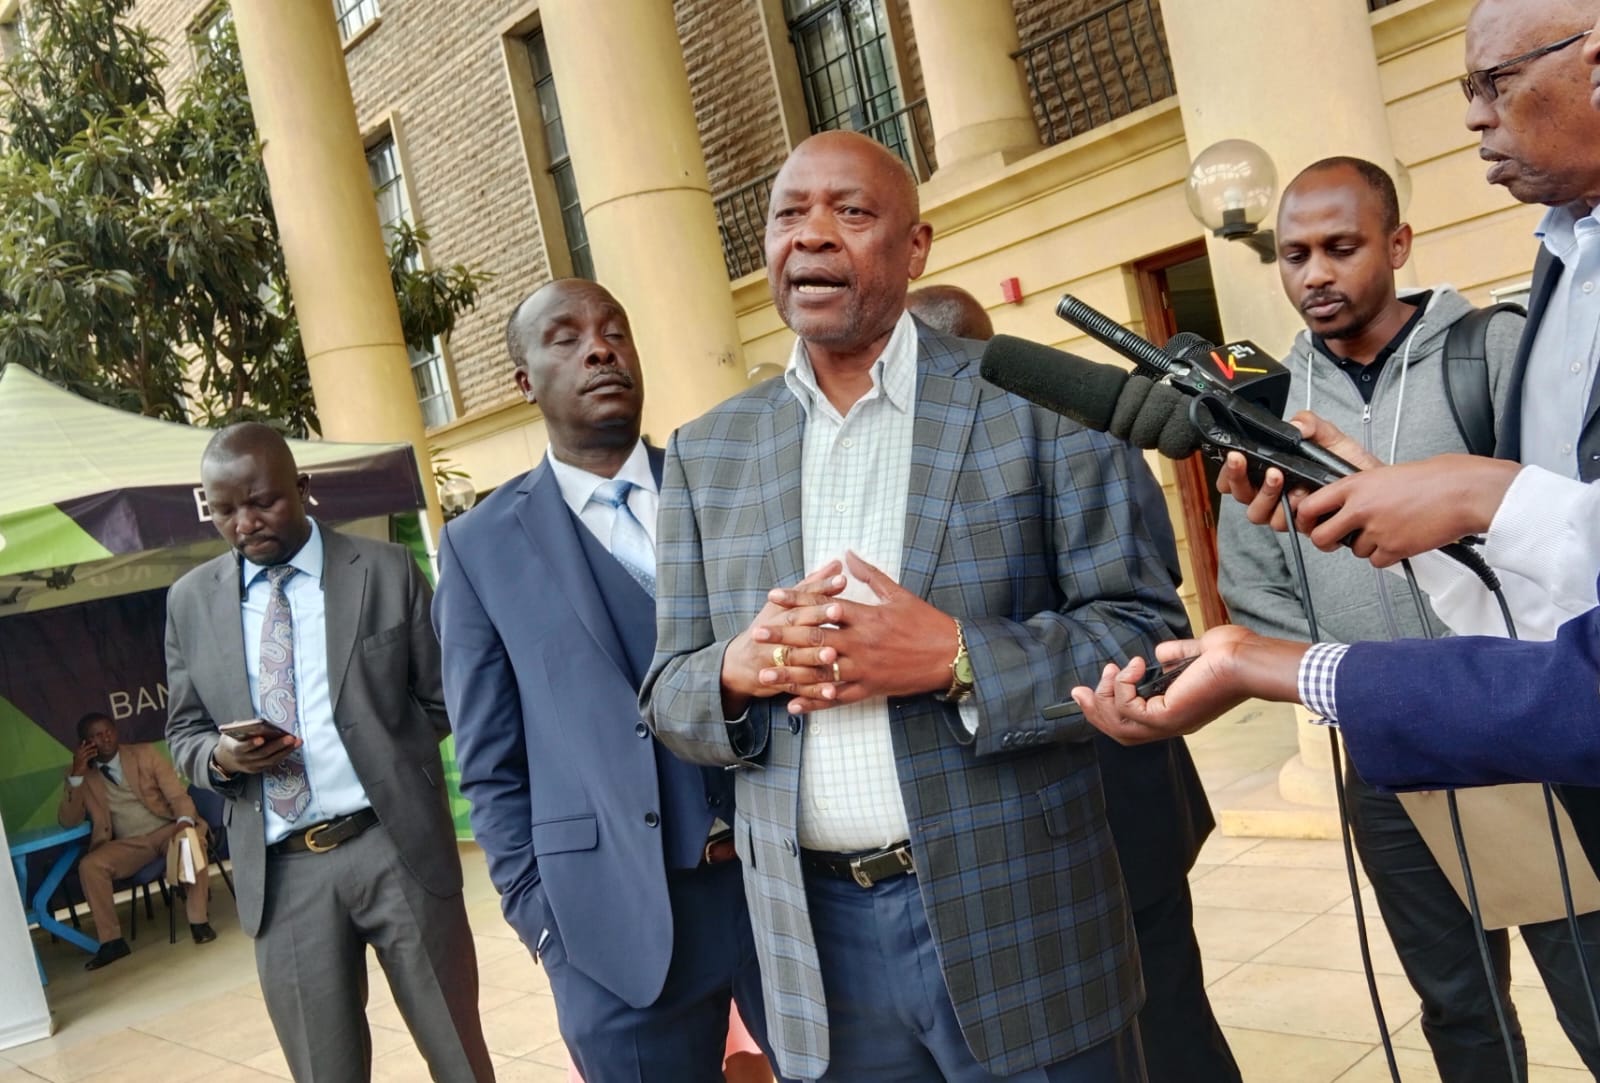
<point x="612" y="858"/>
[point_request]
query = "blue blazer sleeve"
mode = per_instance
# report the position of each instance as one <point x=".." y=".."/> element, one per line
<point x="1474" y="711"/>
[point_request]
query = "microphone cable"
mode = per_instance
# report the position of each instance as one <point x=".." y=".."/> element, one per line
<point x="1346" y="832"/>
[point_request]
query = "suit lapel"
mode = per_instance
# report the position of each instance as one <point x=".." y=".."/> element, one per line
<point x="1546" y="273"/>
<point x="344" y="588"/>
<point x="556" y="551"/>
<point x="777" y="452"/>
<point x="227" y="635"/>
<point x="946" y="406"/>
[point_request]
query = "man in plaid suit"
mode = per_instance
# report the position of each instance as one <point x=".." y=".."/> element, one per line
<point x="933" y="887"/>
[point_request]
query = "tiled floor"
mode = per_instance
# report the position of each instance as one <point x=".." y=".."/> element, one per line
<point x="1274" y="918"/>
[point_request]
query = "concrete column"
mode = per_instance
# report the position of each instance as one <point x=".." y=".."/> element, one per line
<point x="1237" y="62"/>
<point x="646" y="198"/>
<point x="328" y="219"/>
<point x="977" y="98"/>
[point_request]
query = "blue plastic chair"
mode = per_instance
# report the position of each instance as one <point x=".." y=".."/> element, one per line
<point x="209" y="804"/>
<point x="154" y="872"/>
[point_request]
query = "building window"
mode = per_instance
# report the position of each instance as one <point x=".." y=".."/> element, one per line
<point x="207" y="32"/>
<point x="847" y="68"/>
<point x="353" y="15"/>
<point x="561" y="176"/>
<point x="427" y="366"/>
<point x="13" y="30"/>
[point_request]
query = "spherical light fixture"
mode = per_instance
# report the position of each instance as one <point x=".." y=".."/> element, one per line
<point x="1231" y="188"/>
<point x="456" y="496"/>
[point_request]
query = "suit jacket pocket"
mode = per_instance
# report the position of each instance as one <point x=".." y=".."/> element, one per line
<point x="1073" y="806"/>
<point x="379" y="640"/>
<point x="565" y="835"/>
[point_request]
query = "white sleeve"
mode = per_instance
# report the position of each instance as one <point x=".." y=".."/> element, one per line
<point x="1544" y="544"/>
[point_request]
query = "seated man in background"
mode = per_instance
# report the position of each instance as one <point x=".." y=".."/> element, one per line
<point x="137" y="804"/>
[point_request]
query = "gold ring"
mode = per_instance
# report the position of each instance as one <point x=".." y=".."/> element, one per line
<point x="836" y="672"/>
<point x="780" y="655"/>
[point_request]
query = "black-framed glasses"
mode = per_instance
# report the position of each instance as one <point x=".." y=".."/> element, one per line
<point x="1481" y="83"/>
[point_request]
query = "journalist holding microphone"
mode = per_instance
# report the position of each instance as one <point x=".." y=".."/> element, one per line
<point x="1411" y="712"/>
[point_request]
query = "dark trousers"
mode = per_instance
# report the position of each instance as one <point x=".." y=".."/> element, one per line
<point x="1181" y="1039"/>
<point x="680" y="1038"/>
<point x="890" y="1019"/>
<point x="1433" y="935"/>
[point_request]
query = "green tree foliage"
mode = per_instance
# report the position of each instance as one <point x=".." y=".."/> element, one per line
<point x="140" y="262"/>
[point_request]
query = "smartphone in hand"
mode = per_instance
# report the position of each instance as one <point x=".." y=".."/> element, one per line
<point x="251" y="727"/>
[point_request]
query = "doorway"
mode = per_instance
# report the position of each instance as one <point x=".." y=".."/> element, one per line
<point x="1176" y="294"/>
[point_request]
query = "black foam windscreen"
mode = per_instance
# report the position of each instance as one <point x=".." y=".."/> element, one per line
<point x="1085" y="391"/>
<point x="1129" y="402"/>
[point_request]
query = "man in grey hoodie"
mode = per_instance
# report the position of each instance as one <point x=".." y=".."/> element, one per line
<point x="1372" y="363"/>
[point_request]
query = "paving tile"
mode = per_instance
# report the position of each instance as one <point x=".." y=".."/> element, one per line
<point x="1217" y="969"/>
<point x="1415" y="1067"/>
<point x="271" y="1063"/>
<point x="1310" y="891"/>
<point x="1236" y="935"/>
<point x="529" y="1071"/>
<point x="1220" y="849"/>
<point x="1294" y="854"/>
<point x="127" y="1057"/>
<point x="1328" y="942"/>
<point x="248" y="1032"/>
<point x="552" y="1053"/>
<point x="1314" y="1003"/>
<point x="1266" y="1057"/>
<point x="521" y="1026"/>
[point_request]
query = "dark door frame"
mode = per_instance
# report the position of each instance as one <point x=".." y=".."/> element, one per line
<point x="1194" y="489"/>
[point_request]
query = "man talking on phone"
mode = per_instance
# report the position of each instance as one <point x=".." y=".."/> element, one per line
<point x="320" y="643"/>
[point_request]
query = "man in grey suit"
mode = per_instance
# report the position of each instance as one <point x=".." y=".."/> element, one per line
<point x="932" y="883"/>
<point x="338" y="820"/>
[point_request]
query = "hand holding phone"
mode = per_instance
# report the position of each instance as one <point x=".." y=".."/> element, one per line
<point x="252" y="745"/>
<point x="247" y="728"/>
<point x="1158" y="676"/>
<point x="82" y="758"/>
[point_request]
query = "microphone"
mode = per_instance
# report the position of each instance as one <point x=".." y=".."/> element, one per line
<point x="1183" y="367"/>
<point x="1104" y="398"/>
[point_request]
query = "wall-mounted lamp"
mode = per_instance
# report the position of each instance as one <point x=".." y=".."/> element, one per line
<point x="456" y="496"/>
<point x="1231" y="188"/>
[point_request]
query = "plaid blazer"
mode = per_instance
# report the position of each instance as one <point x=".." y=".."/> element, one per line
<point x="1024" y="526"/>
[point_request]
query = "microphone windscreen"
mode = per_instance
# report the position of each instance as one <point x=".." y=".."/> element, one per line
<point x="1163" y="423"/>
<point x="1083" y="390"/>
<point x="1179" y="438"/>
<point x="1185" y="343"/>
<point x="1129" y="402"/>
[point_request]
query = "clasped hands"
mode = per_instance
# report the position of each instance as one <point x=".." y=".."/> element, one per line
<point x="836" y="651"/>
<point x="1390" y="513"/>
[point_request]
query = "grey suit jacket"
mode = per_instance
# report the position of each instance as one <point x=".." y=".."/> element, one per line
<point x="383" y="680"/>
<point x="1027" y="528"/>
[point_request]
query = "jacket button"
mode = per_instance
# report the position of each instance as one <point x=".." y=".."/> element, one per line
<point x="1007" y="740"/>
<point x="641" y="730"/>
<point x="651" y="819"/>
<point x="789" y="847"/>
<point x="794" y="723"/>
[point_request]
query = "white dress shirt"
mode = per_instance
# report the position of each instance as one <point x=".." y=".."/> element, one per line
<point x="578" y="485"/>
<point x="1544" y="542"/>
<point x="336" y="790"/>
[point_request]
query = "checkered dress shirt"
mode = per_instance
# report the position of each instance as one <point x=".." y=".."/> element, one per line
<point x="1318" y="678"/>
<point x="854" y="476"/>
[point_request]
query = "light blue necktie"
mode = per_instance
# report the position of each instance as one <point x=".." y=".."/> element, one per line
<point x="629" y="542"/>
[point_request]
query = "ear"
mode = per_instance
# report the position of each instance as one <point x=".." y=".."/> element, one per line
<point x="524" y="386"/>
<point x="1400" y="246"/>
<point x="302" y="485"/>
<point x="921" y="243"/>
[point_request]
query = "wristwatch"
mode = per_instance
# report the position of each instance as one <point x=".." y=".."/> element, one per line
<point x="961" y="682"/>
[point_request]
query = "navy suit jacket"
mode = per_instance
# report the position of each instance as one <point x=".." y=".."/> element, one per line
<point x="554" y="758"/>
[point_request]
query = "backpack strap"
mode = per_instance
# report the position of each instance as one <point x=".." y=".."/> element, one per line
<point x="1466" y="376"/>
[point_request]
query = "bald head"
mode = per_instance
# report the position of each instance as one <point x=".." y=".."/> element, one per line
<point x="952" y="310"/>
<point x="256" y="493"/>
<point x="532" y="310"/>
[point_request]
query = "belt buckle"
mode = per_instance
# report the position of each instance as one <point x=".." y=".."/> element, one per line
<point x="859" y="874"/>
<point x="311" y="839"/>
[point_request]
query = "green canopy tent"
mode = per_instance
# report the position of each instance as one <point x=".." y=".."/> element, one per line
<point x="100" y="511"/>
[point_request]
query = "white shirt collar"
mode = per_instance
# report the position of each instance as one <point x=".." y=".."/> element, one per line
<point x="115" y="763"/>
<point x="578" y="485"/>
<point x="1560" y="226"/>
<point x="894" y="374"/>
<point x="308" y="560"/>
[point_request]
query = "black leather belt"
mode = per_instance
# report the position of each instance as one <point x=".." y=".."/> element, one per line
<point x="865" y="869"/>
<point x="320" y="838"/>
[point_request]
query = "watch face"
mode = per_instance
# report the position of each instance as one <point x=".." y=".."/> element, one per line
<point x="963" y="669"/>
